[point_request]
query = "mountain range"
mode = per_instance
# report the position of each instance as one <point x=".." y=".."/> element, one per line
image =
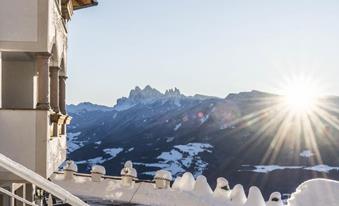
<point x="244" y="137"/>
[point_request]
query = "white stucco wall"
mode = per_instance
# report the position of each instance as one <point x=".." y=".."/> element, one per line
<point x="19" y="20"/>
<point x="17" y="136"/>
<point x="24" y="25"/>
<point x="18" y="84"/>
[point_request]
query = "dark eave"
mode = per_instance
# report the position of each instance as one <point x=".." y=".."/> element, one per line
<point x="81" y="4"/>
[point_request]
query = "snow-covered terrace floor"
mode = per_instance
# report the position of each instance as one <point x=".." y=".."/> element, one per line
<point x="109" y="191"/>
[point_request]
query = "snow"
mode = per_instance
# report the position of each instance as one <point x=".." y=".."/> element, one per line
<point x="186" y="182"/>
<point x="128" y="164"/>
<point x="93" y="161"/>
<point x="173" y="155"/>
<point x="268" y="168"/>
<point x="72" y="143"/>
<point x="177" y="126"/>
<point x="140" y="193"/>
<point x="275" y="200"/>
<point x="271" y="168"/>
<point x="169" y="139"/>
<point x="204" y="119"/>
<point x="190" y="192"/>
<point x="322" y="168"/>
<point x="202" y="187"/>
<point x="255" y="197"/>
<point x="163" y="174"/>
<point x="70" y="166"/>
<point x="180" y="158"/>
<point x="222" y="190"/>
<point x="31" y="177"/>
<point x="238" y="196"/>
<point x="316" y="192"/>
<point x="177" y="102"/>
<point x="123" y="107"/>
<point x="130" y="149"/>
<point x="183" y="157"/>
<point x="306" y="153"/>
<point x="98" y="169"/>
<point x="112" y="152"/>
<point x="194" y="148"/>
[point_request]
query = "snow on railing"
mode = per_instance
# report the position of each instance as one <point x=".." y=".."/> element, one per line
<point x="186" y="184"/>
<point x="32" y="177"/>
<point x="12" y="195"/>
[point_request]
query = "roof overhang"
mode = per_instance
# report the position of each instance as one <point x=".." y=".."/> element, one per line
<point x="81" y="4"/>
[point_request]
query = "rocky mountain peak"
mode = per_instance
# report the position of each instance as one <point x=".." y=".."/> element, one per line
<point x="142" y="94"/>
<point x="173" y="92"/>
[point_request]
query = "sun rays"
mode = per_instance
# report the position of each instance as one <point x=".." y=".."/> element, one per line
<point x="301" y="117"/>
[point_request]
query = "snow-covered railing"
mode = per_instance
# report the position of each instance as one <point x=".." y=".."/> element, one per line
<point x="185" y="190"/>
<point x="16" y="197"/>
<point x="42" y="183"/>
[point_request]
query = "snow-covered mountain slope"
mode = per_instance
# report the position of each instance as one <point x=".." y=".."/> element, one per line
<point x="229" y="137"/>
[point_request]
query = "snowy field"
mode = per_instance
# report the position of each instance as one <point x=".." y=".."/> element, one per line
<point x="270" y="168"/>
<point x="181" y="158"/>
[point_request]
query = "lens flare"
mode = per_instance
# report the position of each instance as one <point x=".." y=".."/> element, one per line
<point x="301" y="96"/>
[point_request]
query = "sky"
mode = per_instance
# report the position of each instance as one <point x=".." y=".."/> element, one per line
<point x="211" y="47"/>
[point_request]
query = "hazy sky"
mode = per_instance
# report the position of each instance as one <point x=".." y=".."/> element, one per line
<point x="210" y="47"/>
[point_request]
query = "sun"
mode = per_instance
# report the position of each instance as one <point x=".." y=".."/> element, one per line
<point x="301" y="95"/>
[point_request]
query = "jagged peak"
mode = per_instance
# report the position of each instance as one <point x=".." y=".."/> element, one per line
<point x="173" y="92"/>
<point x="147" y="92"/>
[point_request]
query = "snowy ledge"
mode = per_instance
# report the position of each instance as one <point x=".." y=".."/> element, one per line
<point x="185" y="190"/>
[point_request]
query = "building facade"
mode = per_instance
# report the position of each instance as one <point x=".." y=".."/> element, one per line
<point x="33" y="73"/>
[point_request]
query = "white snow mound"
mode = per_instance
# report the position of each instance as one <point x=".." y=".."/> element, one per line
<point x="98" y="169"/>
<point x="238" y="196"/>
<point x="255" y="197"/>
<point x="202" y="187"/>
<point x="176" y="183"/>
<point x="275" y="200"/>
<point x="222" y="190"/>
<point x="316" y="192"/>
<point x="187" y="182"/>
<point x="71" y="166"/>
<point x="163" y="174"/>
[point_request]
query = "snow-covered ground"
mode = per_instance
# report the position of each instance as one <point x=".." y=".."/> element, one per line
<point x="322" y="168"/>
<point x="271" y="168"/>
<point x="72" y="143"/>
<point x="181" y="158"/>
<point x="177" y="126"/>
<point x="112" y="152"/>
<point x="306" y="153"/>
